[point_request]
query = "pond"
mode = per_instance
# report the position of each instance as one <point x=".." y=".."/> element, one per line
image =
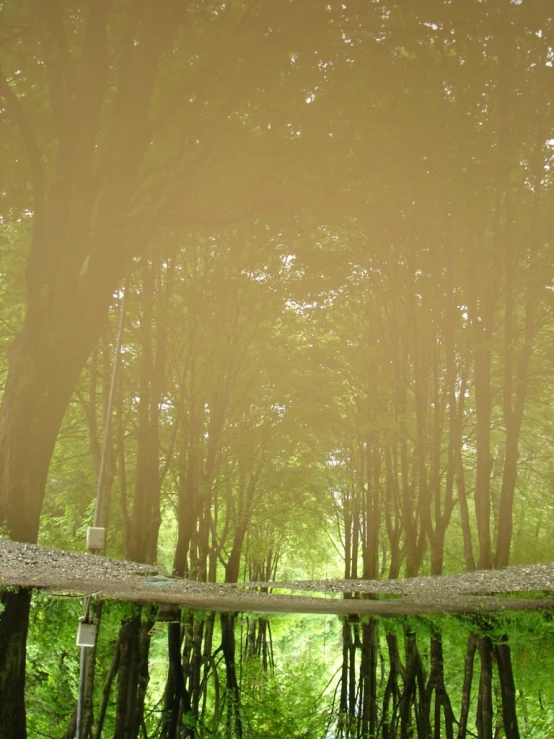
<point x="182" y="673"/>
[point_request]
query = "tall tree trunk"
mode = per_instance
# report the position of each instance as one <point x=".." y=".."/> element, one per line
<point x="368" y="680"/>
<point x="507" y="689"/>
<point x="177" y="702"/>
<point x="13" y="638"/>
<point x="188" y="508"/>
<point x="146" y="515"/>
<point x="77" y="256"/>
<point x="37" y="392"/>
<point x="392" y="691"/>
<point x="371" y="512"/>
<point x="234" y="717"/>
<point x="484" y="702"/>
<point x="482" y="294"/>
<point x="393" y="515"/>
<point x="343" y="695"/>
<point x="437" y="685"/>
<point x="483" y="405"/>
<point x="466" y="689"/>
<point x="134" y="645"/>
<point x="514" y="405"/>
<point x="35" y="398"/>
<point x="106" y="690"/>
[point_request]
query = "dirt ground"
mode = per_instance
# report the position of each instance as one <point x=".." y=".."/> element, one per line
<point x="71" y="573"/>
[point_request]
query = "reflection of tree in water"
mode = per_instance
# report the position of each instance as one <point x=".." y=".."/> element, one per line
<point x="226" y="676"/>
<point x="402" y="690"/>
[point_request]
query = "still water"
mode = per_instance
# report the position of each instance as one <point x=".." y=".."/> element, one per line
<point x="202" y="674"/>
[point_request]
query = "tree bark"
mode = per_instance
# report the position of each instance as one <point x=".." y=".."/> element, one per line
<point x="134" y="646"/>
<point x="484" y="703"/>
<point x="392" y="692"/>
<point x="368" y="679"/>
<point x="13" y="637"/>
<point x="78" y="254"/>
<point x="466" y="689"/>
<point x="106" y="690"/>
<point x="177" y="702"/>
<point x="234" y="718"/>
<point x="507" y="689"/>
<point x="37" y="392"/>
<point x="146" y="515"/>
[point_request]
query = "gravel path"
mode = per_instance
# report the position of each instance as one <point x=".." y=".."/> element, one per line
<point x="72" y="573"/>
<point x="519" y="579"/>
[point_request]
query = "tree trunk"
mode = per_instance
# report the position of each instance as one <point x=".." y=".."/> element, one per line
<point x="38" y="389"/>
<point x="146" y="516"/>
<point x="507" y="689"/>
<point x="484" y="703"/>
<point x="37" y="392"/>
<point x="343" y="697"/>
<point x="392" y="692"/>
<point x="466" y="689"/>
<point x="13" y="638"/>
<point x="234" y="719"/>
<point x="77" y="256"/>
<point x="437" y="685"/>
<point x="134" y="645"/>
<point x="481" y="295"/>
<point x="177" y="701"/>
<point x="106" y="690"/>
<point x="368" y="679"/>
<point x="483" y="405"/>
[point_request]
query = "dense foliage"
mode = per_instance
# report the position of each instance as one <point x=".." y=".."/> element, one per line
<point x="306" y="688"/>
<point x="277" y="290"/>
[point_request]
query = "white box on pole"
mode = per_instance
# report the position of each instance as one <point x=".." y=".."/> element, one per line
<point x="86" y="635"/>
<point x="96" y="538"/>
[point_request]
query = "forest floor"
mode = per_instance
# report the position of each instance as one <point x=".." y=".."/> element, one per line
<point x="67" y="573"/>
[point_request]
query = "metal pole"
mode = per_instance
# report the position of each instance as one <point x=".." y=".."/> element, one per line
<point x="99" y="519"/>
<point x="83" y="669"/>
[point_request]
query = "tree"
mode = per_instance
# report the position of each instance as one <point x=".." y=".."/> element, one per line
<point x="112" y="159"/>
